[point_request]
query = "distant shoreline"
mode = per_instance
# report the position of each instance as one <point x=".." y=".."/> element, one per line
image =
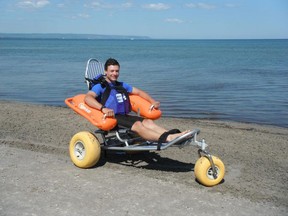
<point x="68" y="36"/>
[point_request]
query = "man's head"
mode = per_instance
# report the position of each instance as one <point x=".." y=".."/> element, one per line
<point x="112" y="68"/>
<point x="109" y="62"/>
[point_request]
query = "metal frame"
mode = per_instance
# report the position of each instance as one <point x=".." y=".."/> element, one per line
<point x="122" y="141"/>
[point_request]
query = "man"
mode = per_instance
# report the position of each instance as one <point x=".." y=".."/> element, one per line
<point x="145" y="128"/>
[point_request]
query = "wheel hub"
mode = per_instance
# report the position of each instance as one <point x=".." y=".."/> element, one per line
<point x="210" y="173"/>
<point x="79" y="150"/>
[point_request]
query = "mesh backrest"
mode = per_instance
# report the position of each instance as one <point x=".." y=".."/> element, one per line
<point x="93" y="68"/>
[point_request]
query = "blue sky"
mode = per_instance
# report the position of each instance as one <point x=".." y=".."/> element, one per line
<point x="192" y="19"/>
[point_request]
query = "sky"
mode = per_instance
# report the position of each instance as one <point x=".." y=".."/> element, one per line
<point x="158" y="19"/>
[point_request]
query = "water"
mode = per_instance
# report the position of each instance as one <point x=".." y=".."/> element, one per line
<point x="238" y="80"/>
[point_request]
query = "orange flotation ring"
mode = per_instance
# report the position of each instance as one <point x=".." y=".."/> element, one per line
<point x="139" y="105"/>
<point x="143" y="108"/>
<point x="96" y="117"/>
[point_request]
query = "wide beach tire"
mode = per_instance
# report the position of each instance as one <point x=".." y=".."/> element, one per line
<point x="204" y="174"/>
<point x="84" y="149"/>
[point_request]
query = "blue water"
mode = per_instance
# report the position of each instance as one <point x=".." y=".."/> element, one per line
<point x="237" y="80"/>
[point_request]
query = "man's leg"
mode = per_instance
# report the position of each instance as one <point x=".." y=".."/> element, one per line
<point x="144" y="132"/>
<point x="152" y="132"/>
<point x="146" y="128"/>
<point x="150" y="124"/>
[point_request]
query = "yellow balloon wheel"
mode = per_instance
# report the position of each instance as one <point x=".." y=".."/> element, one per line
<point x="84" y="149"/>
<point x="204" y="173"/>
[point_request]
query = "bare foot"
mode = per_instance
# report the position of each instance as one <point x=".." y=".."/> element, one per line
<point x="174" y="136"/>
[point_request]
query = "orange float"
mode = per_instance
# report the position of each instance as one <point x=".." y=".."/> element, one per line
<point x="143" y="107"/>
<point x="139" y="105"/>
<point x="96" y="117"/>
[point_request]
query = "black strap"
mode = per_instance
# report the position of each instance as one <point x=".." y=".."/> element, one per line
<point x="100" y="79"/>
<point x="174" y="131"/>
<point x="117" y="86"/>
<point x="163" y="137"/>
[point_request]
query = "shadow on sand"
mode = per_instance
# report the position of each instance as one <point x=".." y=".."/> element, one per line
<point x="145" y="160"/>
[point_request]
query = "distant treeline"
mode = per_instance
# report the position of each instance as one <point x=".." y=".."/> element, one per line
<point x="69" y="36"/>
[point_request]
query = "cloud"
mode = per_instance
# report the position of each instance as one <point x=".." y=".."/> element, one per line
<point x="33" y="4"/>
<point x="201" y="6"/>
<point x="231" y="5"/>
<point x="174" y="20"/>
<point x="156" y="6"/>
<point x="99" y="5"/>
<point x="126" y="5"/>
<point x="85" y="16"/>
<point x="60" y="5"/>
<point x="96" y="5"/>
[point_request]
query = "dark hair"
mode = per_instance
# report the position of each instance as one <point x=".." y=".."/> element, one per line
<point x="109" y="62"/>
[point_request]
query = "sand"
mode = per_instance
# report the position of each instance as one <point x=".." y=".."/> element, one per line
<point x="38" y="178"/>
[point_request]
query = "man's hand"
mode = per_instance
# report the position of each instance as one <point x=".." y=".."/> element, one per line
<point x="156" y="104"/>
<point x="108" y="112"/>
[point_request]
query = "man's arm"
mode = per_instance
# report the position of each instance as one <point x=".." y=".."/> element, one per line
<point x="146" y="96"/>
<point x="92" y="102"/>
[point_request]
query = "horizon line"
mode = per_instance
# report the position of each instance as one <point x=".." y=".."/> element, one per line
<point x="115" y="37"/>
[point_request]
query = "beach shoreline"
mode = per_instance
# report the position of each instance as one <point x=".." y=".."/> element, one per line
<point x="255" y="157"/>
<point x="272" y="125"/>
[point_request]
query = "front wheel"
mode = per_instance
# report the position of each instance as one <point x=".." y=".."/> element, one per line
<point x="84" y="149"/>
<point x="204" y="173"/>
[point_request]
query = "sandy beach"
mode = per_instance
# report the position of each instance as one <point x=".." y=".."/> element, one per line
<point x="38" y="178"/>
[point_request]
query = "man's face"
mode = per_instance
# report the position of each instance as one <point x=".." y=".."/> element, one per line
<point x="112" y="73"/>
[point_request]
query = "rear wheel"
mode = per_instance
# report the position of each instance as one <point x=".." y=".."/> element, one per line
<point x="84" y="149"/>
<point x="204" y="173"/>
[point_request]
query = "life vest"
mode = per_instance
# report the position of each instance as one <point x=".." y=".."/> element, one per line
<point x="115" y="96"/>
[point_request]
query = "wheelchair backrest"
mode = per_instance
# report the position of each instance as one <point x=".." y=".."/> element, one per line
<point x="93" y="68"/>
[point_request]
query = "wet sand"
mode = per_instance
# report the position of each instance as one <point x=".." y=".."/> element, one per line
<point x="37" y="176"/>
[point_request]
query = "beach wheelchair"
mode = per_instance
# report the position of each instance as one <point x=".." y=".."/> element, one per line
<point x="85" y="147"/>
